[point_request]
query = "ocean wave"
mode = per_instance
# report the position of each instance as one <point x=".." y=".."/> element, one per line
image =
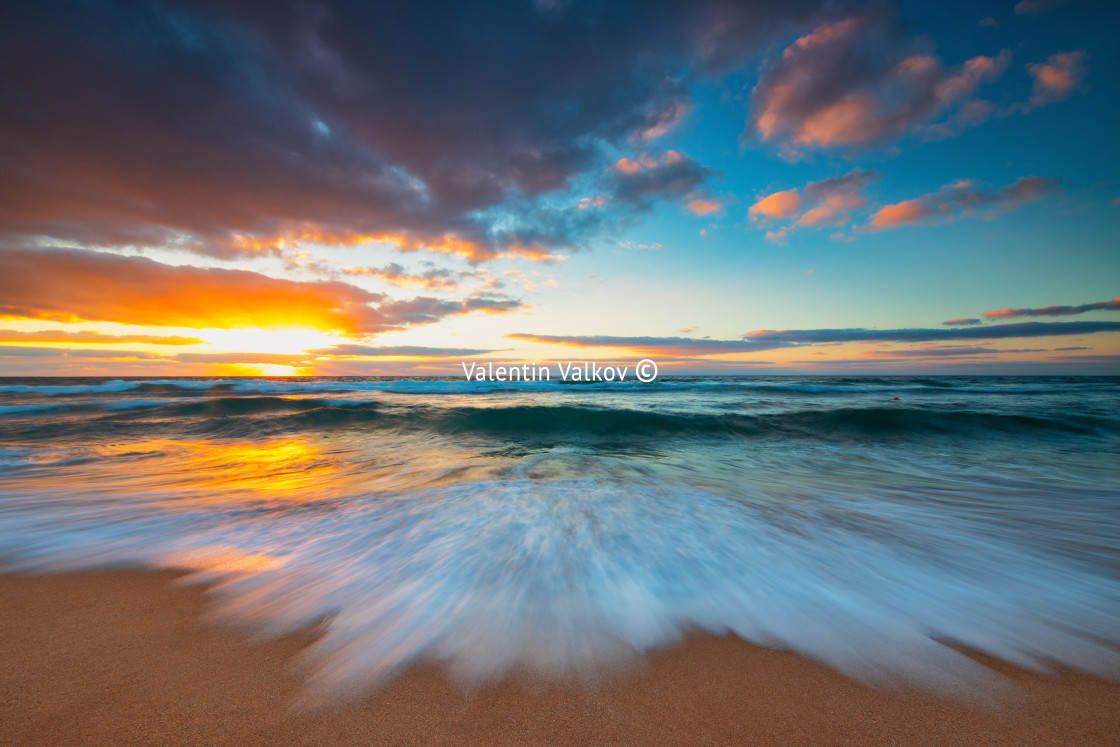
<point x="456" y="386"/>
<point x="565" y="577"/>
<point x="577" y="420"/>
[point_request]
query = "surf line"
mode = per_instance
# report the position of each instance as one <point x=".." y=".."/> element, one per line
<point x="572" y="371"/>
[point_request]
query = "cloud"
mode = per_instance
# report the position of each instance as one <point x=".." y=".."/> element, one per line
<point x="387" y="351"/>
<point x="1058" y="78"/>
<point x="644" y="180"/>
<point x="947" y="351"/>
<point x="827" y="203"/>
<point x="434" y="278"/>
<point x="1036" y="7"/>
<point x="704" y="206"/>
<point x="275" y="359"/>
<point x="639" y="247"/>
<point x="71" y="285"/>
<point x="991" y="332"/>
<point x="960" y="322"/>
<point x="859" y="82"/>
<point x="764" y="339"/>
<point x="676" y="346"/>
<point x="1113" y="305"/>
<point x="28" y="351"/>
<point x="92" y="336"/>
<point x="777" y="206"/>
<point x="238" y="128"/>
<point x="962" y="198"/>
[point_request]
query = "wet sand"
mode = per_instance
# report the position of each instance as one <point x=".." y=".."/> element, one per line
<point x="124" y="658"/>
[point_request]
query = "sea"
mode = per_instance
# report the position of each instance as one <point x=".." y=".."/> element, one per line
<point x="892" y="528"/>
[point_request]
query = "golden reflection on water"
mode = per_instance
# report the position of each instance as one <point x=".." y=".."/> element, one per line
<point x="280" y="473"/>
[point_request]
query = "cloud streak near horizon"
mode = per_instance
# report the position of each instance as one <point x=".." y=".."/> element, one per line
<point x="763" y="339"/>
<point x="72" y="285"/>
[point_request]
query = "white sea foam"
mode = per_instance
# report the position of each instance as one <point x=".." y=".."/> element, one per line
<point x="563" y="577"/>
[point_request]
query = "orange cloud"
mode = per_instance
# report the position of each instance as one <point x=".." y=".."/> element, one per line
<point x="964" y="197"/>
<point x="1057" y="78"/>
<point x="829" y="202"/>
<point x="473" y="251"/>
<point x="779" y="205"/>
<point x="702" y="206"/>
<point x="899" y="214"/>
<point x="92" y="336"/>
<point x="71" y="285"/>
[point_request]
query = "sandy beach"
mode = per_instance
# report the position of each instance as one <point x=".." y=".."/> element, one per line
<point x="126" y="658"/>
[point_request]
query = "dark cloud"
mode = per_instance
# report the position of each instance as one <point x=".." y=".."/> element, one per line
<point x="72" y="285"/>
<point x="948" y="351"/>
<point x="960" y="322"/>
<point x="1113" y="305"/>
<point x="992" y="332"/>
<point x="230" y="127"/>
<point x="764" y="339"/>
<point x="642" y="181"/>
<point x="964" y="197"/>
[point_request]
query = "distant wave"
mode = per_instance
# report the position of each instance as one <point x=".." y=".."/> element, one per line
<point x="867" y="385"/>
<point x="242" y="415"/>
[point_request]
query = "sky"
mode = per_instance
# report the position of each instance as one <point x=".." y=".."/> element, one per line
<point x="328" y="188"/>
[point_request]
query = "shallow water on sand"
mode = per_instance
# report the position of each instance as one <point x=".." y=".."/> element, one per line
<point x="557" y="527"/>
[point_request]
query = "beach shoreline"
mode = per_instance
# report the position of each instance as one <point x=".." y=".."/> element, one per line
<point x="127" y="657"/>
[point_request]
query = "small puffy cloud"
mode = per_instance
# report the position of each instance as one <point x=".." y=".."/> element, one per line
<point x="641" y="181"/>
<point x="1036" y="7"/>
<point x="960" y="322"/>
<point x="989" y="22"/>
<point x="704" y="206"/>
<point x="778" y="206"/>
<point x="635" y="246"/>
<point x="827" y="203"/>
<point x="663" y="120"/>
<point x="858" y="82"/>
<point x="962" y="198"/>
<point x="1113" y="305"/>
<point x="1057" y="78"/>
